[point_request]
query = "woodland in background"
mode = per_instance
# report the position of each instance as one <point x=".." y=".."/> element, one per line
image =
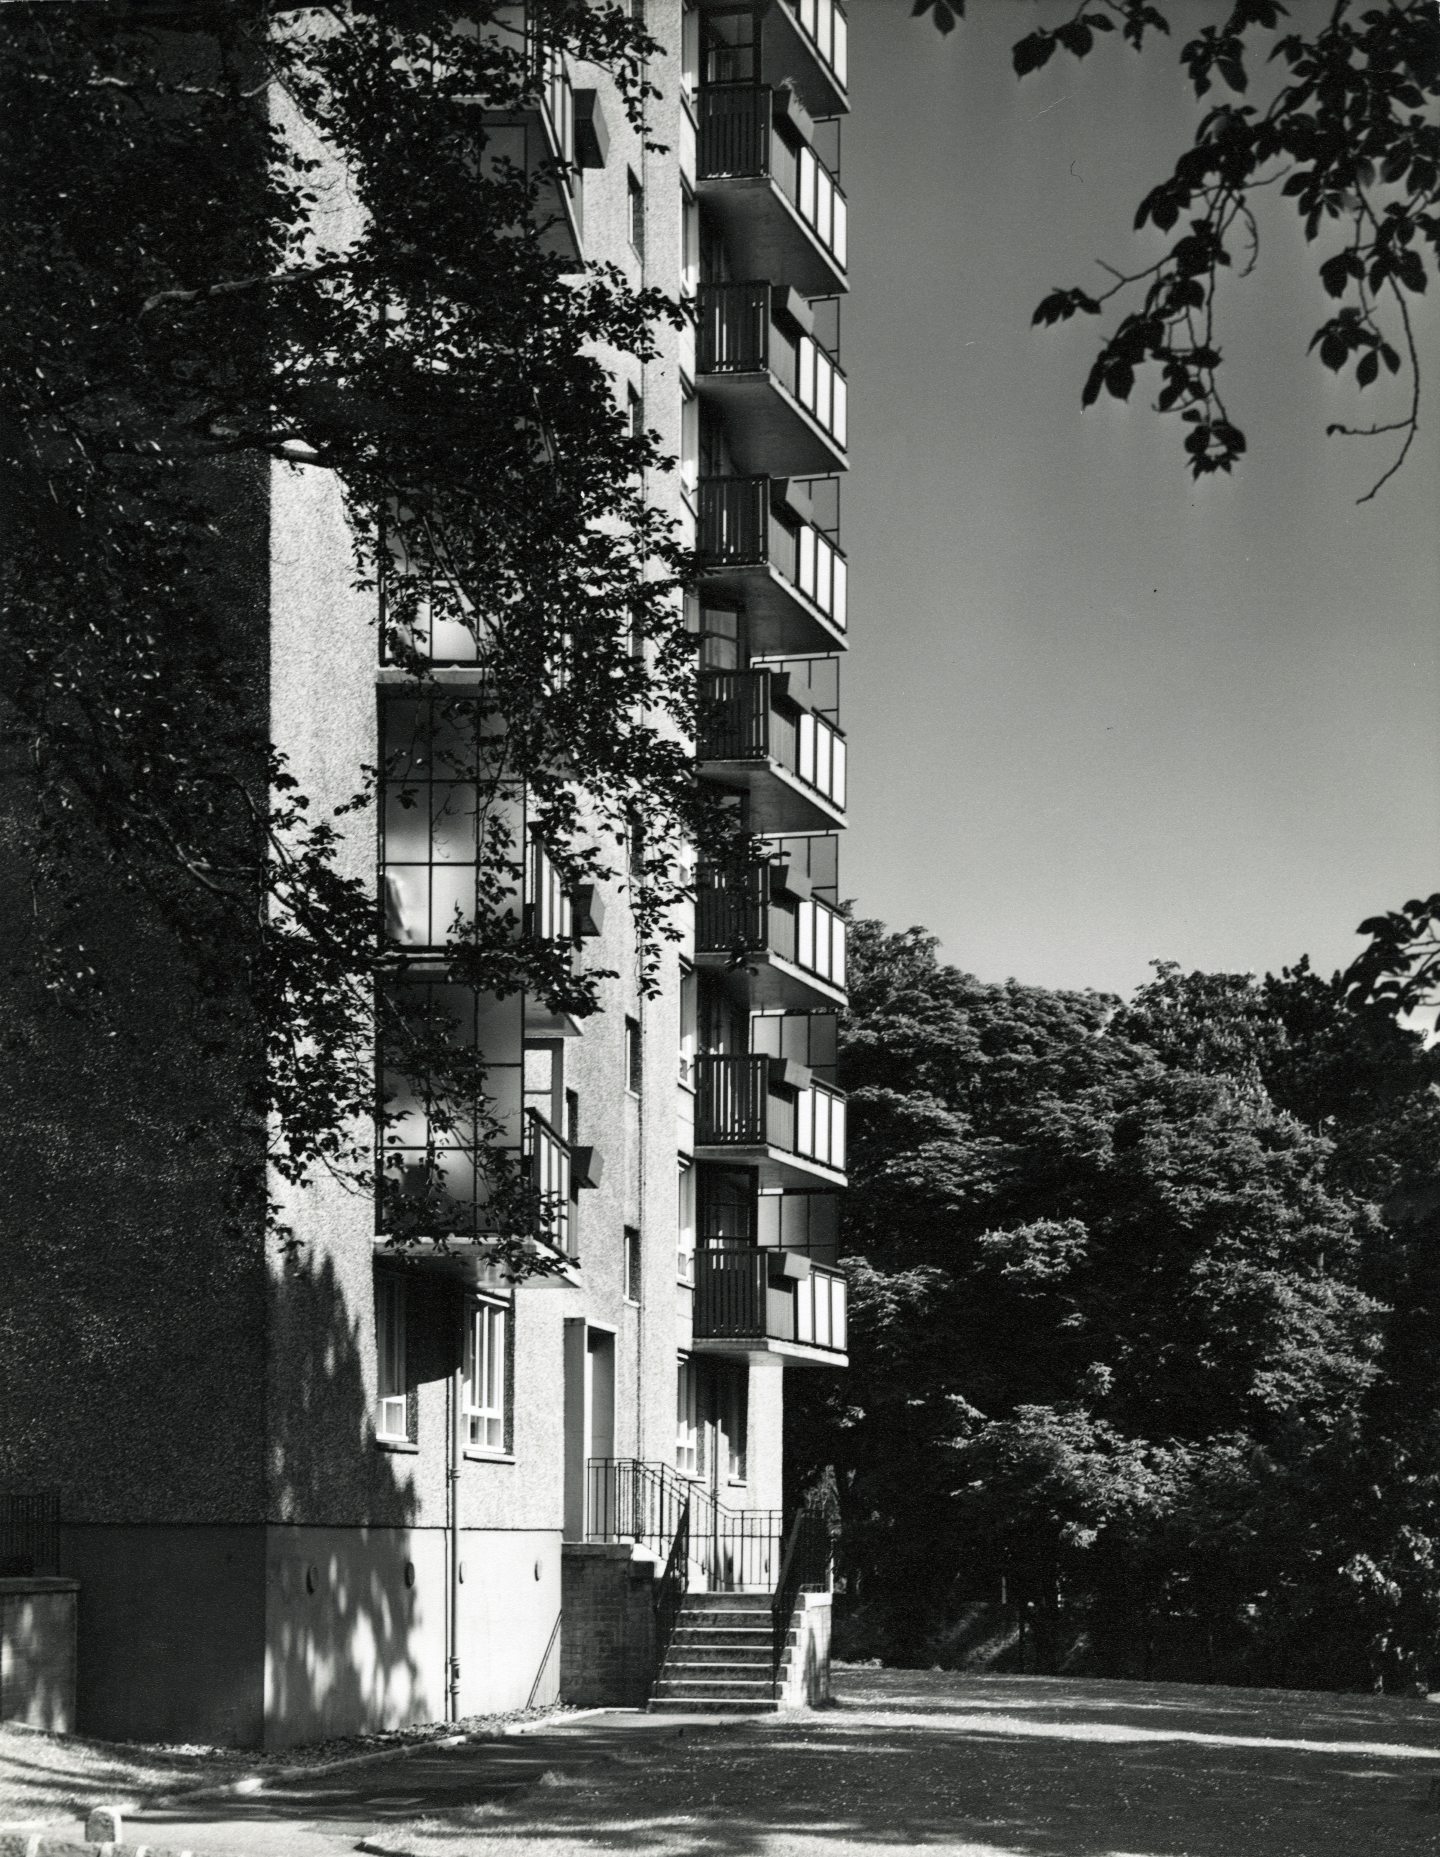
<point x="1144" y="1306"/>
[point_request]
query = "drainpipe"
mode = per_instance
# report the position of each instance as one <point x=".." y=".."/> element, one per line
<point x="452" y="1533"/>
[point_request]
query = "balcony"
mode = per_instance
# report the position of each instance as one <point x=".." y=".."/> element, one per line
<point x="755" y="738"/>
<point x="771" y="1114"/>
<point x="824" y="32"/>
<point x="757" y="546"/>
<point x="751" y="1300"/>
<point x="793" y="945"/>
<point x="780" y="210"/>
<point x="758" y="361"/>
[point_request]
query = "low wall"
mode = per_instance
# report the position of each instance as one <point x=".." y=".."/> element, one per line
<point x="607" y="1631"/>
<point x="37" y="1651"/>
<point x="805" y="1669"/>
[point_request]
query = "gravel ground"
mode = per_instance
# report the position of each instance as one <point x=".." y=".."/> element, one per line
<point x="953" y="1765"/>
<point x="44" y="1777"/>
<point x="987" y="1767"/>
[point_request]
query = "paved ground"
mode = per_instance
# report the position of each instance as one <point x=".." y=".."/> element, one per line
<point x="958" y="1766"/>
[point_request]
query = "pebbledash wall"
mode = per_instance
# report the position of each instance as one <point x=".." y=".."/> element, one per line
<point x="257" y="1565"/>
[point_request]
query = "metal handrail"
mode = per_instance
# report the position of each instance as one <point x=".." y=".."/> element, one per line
<point x="630" y="1499"/>
<point x="673" y="1586"/>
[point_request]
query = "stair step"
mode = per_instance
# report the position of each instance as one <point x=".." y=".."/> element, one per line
<point x="708" y="1705"/>
<point x="728" y="1602"/>
<point x="742" y="1656"/>
<point x="740" y="1636"/>
<point x="758" y="1691"/>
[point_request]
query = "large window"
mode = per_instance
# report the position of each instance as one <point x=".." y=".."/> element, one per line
<point x="392" y="1391"/>
<point x="441" y="806"/>
<point x="485" y="1414"/>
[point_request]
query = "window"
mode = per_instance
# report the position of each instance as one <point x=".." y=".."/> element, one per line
<point x="689" y="441"/>
<point x="635" y="412"/>
<point x="687" y="1420"/>
<point x="392" y="1393"/>
<point x="689" y="1025"/>
<point x="484" y="1390"/>
<point x="632" y="1264"/>
<point x="685" y="1228"/>
<point x="634" y="1057"/>
<point x="734" y="1416"/>
<point x="572" y="1117"/>
<point x="689" y="245"/>
<point x="636" y="218"/>
<point x="438" y="760"/>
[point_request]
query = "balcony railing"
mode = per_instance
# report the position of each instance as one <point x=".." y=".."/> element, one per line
<point x="739" y="1106"/>
<point x="741" y="138"/>
<point x="824" y="23"/>
<point x="548" y="1162"/>
<point x="739" y="333"/>
<point x="743" y="1293"/>
<point x="740" y="528"/>
<point x="732" y="1549"/>
<point x="741" y="913"/>
<point x="747" y="716"/>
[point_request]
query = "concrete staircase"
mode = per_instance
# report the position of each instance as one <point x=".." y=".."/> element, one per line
<point x="721" y="1658"/>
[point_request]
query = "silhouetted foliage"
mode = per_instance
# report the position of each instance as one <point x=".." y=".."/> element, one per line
<point x="1134" y="1287"/>
<point x="1336" y="103"/>
<point x="246" y="239"/>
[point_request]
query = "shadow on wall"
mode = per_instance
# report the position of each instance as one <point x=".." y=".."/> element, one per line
<point x="355" y="1590"/>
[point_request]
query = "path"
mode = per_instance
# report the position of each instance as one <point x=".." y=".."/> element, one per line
<point x="959" y="1766"/>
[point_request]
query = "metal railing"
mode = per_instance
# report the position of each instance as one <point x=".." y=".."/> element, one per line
<point x="739" y="528"/>
<point x="741" y="720"/>
<point x="738" y="334"/>
<point x="29" y="1532"/>
<point x="736" y="914"/>
<point x="732" y="909"/>
<point x="736" y="1107"/>
<point x="807" y="1564"/>
<point x="729" y="1550"/>
<point x="739" y="1298"/>
<point x="732" y="1100"/>
<point x="549" y="915"/>
<point x="673" y="1585"/>
<point x="741" y="138"/>
<point x="549" y="1163"/>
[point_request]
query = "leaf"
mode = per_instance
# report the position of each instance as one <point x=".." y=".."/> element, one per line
<point x="1031" y="53"/>
<point x="1335" y="273"/>
<point x="1368" y="369"/>
<point x="1334" y="351"/>
<point x="1119" y="379"/>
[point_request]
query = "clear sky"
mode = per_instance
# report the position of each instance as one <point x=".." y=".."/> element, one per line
<point x="1098" y="714"/>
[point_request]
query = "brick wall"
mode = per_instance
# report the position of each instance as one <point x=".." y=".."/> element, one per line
<point x="607" y="1637"/>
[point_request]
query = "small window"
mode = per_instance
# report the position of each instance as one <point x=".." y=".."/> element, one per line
<point x="634" y="1059"/>
<point x="635" y="412"/>
<point x="637" y="216"/>
<point x="689" y="441"/>
<point x="572" y="1117"/>
<point x="685" y="1230"/>
<point x="734" y="1417"/>
<point x="392" y="1391"/>
<point x="689" y="245"/>
<point x="687" y="1420"/>
<point x="485" y="1363"/>
<point x="632" y="1264"/>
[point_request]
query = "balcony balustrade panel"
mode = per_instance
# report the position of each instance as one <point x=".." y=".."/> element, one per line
<point x="740" y="139"/>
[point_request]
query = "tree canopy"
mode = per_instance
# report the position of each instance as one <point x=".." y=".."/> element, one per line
<point x="1135" y="1283"/>
<point x="183" y="318"/>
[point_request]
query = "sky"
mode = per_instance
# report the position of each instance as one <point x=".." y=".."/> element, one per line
<point x="1098" y="714"/>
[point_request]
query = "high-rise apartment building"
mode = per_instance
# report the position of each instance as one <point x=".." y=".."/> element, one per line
<point x="366" y="1485"/>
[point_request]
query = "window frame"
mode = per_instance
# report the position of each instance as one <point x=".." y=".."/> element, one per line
<point x="487" y="1323"/>
<point x="392" y="1361"/>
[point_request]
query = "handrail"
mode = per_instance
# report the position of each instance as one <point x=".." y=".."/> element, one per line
<point x="673" y="1585"/>
<point x="808" y="1560"/>
<point x="630" y="1499"/>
